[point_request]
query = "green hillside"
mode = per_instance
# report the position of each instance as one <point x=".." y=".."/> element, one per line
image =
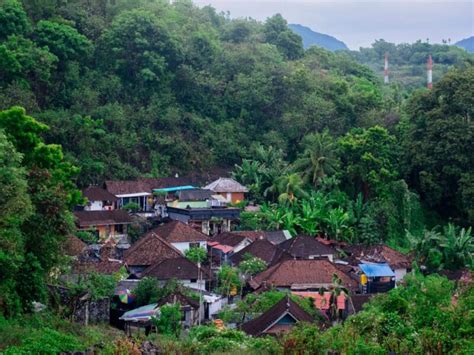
<point x="312" y="38"/>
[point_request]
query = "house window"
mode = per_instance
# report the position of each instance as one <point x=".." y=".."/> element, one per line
<point x="194" y="245"/>
<point x="193" y="280"/>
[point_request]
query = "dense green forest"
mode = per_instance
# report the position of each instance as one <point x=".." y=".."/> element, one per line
<point x="92" y="90"/>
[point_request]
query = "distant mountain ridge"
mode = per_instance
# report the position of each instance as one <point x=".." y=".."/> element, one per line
<point x="467" y="44"/>
<point x="312" y="38"/>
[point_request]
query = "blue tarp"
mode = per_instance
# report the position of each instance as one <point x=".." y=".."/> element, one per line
<point x="175" y="188"/>
<point x="376" y="270"/>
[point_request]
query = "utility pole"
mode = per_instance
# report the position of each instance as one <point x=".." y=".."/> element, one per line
<point x="385" y="71"/>
<point x="200" y="291"/>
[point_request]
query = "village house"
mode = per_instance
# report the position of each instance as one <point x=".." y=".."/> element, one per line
<point x="376" y="277"/>
<point x="398" y="262"/>
<point x="302" y="275"/>
<point x="140" y="191"/>
<point x="99" y="199"/>
<point x="231" y="190"/>
<point x="106" y="225"/>
<point x="279" y="319"/>
<point x="149" y="250"/>
<point x="181" y="236"/>
<point x="223" y="245"/>
<point x="210" y="221"/>
<point x="196" y="198"/>
<point x="182" y="270"/>
<point x="305" y="247"/>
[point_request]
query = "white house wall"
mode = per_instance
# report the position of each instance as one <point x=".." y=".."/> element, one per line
<point x="182" y="247"/>
<point x="196" y="285"/>
<point x="242" y="245"/>
<point x="400" y="274"/>
<point x="94" y="206"/>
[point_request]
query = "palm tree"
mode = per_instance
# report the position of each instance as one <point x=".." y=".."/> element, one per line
<point x="251" y="174"/>
<point x="289" y="188"/>
<point x="280" y="217"/>
<point x="336" y="290"/>
<point x="318" y="159"/>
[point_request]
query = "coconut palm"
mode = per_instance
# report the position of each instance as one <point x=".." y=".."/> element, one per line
<point x="319" y="158"/>
<point x="289" y="188"/>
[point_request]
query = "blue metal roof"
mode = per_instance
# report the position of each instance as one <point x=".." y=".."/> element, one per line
<point x="376" y="270"/>
<point x="175" y="188"/>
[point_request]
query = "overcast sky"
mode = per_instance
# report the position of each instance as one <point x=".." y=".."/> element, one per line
<point x="360" y="22"/>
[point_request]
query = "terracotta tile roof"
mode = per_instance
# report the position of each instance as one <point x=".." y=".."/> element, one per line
<point x="97" y="218"/>
<point x="261" y="248"/>
<point x="228" y="238"/>
<point x="226" y="185"/>
<point x="274" y="237"/>
<point x="178" y="232"/>
<point x="177" y="268"/>
<point x="125" y="187"/>
<point x="277" y="237"/>
<point x="301" y="274"/>
<point x="73" y="246"/>
<point x="162" y="183"/>
<point x="106" y="266"/>
<point x="252" y="235"/>
<point x="260" y="325"/>
<point x="378" y="253"/>
<point x="304" y="247"/>
<point x="96" y="193"/>
<point x="149" y="250"/>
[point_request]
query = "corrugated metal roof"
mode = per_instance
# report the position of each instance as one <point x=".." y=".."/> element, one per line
<point x="376" y="270"/>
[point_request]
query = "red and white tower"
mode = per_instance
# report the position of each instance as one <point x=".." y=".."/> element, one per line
<point x="429" y="67"/>
<point x="385" y="71"/>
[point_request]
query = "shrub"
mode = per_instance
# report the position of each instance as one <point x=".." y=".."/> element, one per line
<point x="196" y="255"/>
<point x="147" y="291"/>
<point x="169" y="321"/>
<point x="87" y="237"/>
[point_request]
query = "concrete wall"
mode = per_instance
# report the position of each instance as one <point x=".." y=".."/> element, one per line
<point x="233" y="197"/>
<point x="196" y="285"/>
<point x="242" y="245"/>
<point x="94" y="206"/>
<point x="400" y="274"/>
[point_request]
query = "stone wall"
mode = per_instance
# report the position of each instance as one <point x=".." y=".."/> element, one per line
<point x="81" y="308"/>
